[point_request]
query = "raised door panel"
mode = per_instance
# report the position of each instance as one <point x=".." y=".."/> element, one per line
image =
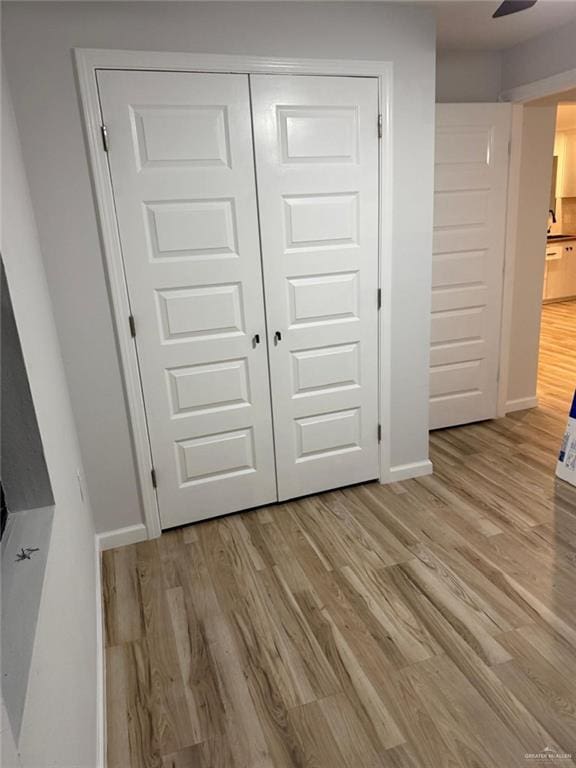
<point x="192" y="229"/>
<point x="326" y="134"/>
<point x="467" y="262"/>
<point x="209" y="386"/>
<point x="321" y="221"/>
<point x="201" y="312"/>
<point x="180" y="135"/>
<point x="181" y="160"/>
<point x="317" y="166"/>
<point x="215" y="457"/>
<point x="315" y="371"/>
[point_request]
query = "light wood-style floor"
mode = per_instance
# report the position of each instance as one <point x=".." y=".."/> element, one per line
<point x="430" y="623"/>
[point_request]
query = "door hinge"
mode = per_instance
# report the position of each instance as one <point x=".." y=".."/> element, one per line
<point x="132" y="325"/>
<point x="379" y="126"/>
<point x="379" y="433"/>
<point x="153" y="476"/>
<point x="379" y="298"/>
<point x="104" y="132"/>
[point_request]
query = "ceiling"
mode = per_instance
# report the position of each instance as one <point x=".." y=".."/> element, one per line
<point x="470" y="26"/>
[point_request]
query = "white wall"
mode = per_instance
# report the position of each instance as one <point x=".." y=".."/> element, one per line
<point x="468" y="76"/>
<point x="38" y="38"/>
<point x="543" y="56"/>
<point x="566" y="117"/>
<point x="534" y="192"/>
<point x="59" y="724"/>
<point x="9" y="757"/>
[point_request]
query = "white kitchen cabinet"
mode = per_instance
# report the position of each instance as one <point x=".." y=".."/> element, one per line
<point x="565" y="148"/>
<point x="569" y="269"/>
<point x="554" y="276"/>
<point x="560" y="273"/>
<point x="559" y="149"/>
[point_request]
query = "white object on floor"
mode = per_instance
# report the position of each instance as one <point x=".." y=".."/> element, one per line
<point x="566" y="466"/>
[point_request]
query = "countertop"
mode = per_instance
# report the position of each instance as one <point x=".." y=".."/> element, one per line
<point x="564" y="239"/>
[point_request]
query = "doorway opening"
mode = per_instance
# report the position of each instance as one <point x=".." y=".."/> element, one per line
<point x="557" y="355"/>
<point x="524" y="355"/>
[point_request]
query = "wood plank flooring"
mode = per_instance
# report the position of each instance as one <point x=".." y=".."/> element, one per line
<point x="557" y="370"/>
<point x="425" y="624"/>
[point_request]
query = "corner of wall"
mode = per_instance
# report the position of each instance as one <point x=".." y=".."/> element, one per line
<point x="59" y="722"/>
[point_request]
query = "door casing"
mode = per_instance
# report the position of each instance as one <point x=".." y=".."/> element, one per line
<point x="88" y="62"/>
<point x="519" y="96"/>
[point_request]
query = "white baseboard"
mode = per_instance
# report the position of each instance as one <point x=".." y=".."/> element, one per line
<point x="100" y="665"/>
<point x="521" y="404"/>
<point x="408" y="471"/>
<point x="132" y="534"/>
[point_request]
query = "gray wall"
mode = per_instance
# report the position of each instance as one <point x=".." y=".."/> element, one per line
<point x="60" y="719"/>
<point x="541" y="57"/>
<point x="468" y="76"/>
<point x="38" y="38"/>
<point x="24" y="474"/>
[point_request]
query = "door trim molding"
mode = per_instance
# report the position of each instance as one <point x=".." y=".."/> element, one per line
<point x="521" y="404"/>
<point x="100" y="663"/>
<point x="409" y="471"/>
<point x="512" y="198"/>
<point x="121" y="537"/>
<point x="90" y="59"/>
<point x="518" y="96"/>
<point x="539" y="89"/>
<point x="87" y="62"/>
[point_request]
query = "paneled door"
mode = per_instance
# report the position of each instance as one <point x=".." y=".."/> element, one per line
<point x="316" y="141"/>
<point x="468" y="261"/>
<point x="182" y="169"/>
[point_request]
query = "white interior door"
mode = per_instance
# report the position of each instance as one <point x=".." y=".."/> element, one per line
<point x="182" y="167"/>
<point x="468" y="261"/>
<point x="316" y="141"/>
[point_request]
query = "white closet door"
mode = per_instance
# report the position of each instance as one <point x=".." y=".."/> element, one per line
<point x="469" y="239"/>
<point x="316" y="145"/>
<point x="181" y="159"/>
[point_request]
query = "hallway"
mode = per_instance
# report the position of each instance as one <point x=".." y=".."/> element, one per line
<point x="422" y="624"/>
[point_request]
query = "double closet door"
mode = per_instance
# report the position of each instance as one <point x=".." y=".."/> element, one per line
<point x="247" y="210"/>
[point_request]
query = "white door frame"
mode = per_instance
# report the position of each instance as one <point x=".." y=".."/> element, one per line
<point x="538" y="89"/>
<point x="88" y="61"/>
<point x="518" y="96"/>
<point x="512" y="195"/>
